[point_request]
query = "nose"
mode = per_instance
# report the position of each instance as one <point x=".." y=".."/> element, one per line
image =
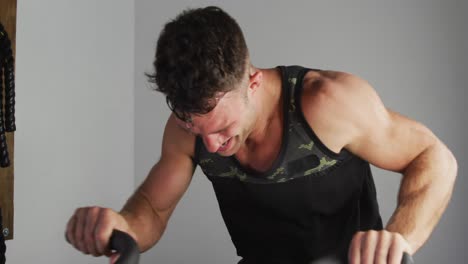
<point x="212" y="142"/>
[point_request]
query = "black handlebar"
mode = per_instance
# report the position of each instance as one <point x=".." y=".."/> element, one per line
<point x="407" y="259"/>
<point x="126" y="246"/>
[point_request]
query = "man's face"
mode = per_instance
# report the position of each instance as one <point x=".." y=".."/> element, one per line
<point x="226" y="127"/>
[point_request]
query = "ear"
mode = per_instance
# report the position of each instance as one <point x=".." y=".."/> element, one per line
<point x="255" y="79"/>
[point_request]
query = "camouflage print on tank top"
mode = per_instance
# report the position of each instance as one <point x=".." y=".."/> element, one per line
<point x="301" y="154"/>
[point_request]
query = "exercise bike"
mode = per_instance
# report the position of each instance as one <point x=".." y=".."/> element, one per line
<point x="126" y="246"/>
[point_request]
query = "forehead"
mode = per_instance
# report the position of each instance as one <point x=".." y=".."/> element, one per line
<point x="226" y="109"/>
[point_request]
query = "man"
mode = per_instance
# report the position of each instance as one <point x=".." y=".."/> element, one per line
<point x="287" y="150"/>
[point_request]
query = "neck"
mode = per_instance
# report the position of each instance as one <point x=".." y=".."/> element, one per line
<point x="269" y="106"/>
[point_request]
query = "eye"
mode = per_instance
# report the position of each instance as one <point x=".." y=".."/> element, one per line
<point x="223" y="130"/>
<point x="218" y="132"/>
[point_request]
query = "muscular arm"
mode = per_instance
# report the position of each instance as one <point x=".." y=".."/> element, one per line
<point x="360" y="122"/>
<point x="425" y="191"/>
<point x="150" y="207"/>
<point x="393" y="142"/>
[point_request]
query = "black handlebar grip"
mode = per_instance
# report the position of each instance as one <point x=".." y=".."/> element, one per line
<point x="407" y="259"/>
<point x="126" y="246"/>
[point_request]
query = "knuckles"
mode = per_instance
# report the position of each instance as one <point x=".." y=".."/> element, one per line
<point x="375" y="245"/>
<point x="82" y="232"/>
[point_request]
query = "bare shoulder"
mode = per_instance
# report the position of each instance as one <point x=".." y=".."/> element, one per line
<point x="332" y="84"/>
<point x="333" y="102"/>
<point x="176" y="140"/>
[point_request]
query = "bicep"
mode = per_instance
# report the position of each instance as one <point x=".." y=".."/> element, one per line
<point x="391" y="141"/>
<point x="383" y="137"/>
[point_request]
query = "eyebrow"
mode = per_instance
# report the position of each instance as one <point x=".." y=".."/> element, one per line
<point x="217" y="131"/>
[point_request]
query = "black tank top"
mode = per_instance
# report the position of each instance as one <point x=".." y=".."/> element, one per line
<point x="306" y="206"/>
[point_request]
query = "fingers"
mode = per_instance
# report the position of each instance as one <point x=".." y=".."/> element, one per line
<point x="79" y="230"/>
<point x="89" y="234"/>
<point x="90" y="228"/>
<point x="354" y="254"/>
<point x="369" y="243"/>
<point x="73" y="233"/>
<point x="70" y="230"/>
<point x="103" y="232"/>
<point x="380" y="247"/>
<point x="396" y="251"/>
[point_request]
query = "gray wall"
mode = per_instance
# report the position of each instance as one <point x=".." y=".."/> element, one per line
<point x="88" y="121"/>
<point x="74" y="143"/>
<point x="412" y="52"/>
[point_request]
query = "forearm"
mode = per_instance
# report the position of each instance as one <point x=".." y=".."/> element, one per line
<point x="143" y="220"/>
<point x="425" y="191"/>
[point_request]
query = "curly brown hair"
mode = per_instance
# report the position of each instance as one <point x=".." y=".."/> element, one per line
<point x="200" y="54"/>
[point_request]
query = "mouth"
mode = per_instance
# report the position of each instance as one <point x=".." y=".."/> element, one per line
<point x="225" y="146"/>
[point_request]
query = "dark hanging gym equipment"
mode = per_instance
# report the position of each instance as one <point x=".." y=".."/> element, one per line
<point x="7" y="111"/>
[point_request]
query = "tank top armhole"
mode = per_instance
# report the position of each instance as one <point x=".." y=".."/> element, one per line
<point x="344" y="153"/>
<point x="196" y="153"/>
